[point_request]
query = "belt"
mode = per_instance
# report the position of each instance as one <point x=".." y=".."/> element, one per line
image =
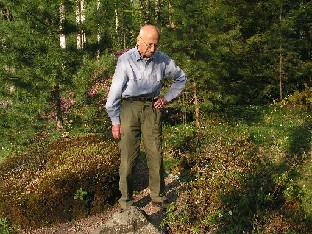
<point x="139" y="98"/>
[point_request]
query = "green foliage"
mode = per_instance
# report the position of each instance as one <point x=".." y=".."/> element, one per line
<point x="180" y="142"/>
<point x="80" y="194"/>
<point x="5" y="227"/>
<point x="230" y="50"/>
<point x="306" y="183"/>
<point x="298" y="100"/>
<point x="44" y="185"/>
<point x="242" y="180"/>
<point x="178" y="139"/>
<point x="32" y="63"/>
<point x="91" y="84"/>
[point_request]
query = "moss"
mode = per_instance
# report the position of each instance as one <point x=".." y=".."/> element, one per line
<point x="38" y="187"/>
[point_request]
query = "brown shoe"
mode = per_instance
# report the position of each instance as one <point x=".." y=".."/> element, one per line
<point x="163" y="205"/>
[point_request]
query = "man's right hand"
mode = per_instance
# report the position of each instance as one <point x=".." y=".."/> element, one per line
<point x="116" y="129"/>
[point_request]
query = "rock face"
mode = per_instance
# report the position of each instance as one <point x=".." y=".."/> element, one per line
<point x="130" y="221"/>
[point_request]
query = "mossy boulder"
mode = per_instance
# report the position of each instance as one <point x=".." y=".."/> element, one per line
<point x="59" y="181"/>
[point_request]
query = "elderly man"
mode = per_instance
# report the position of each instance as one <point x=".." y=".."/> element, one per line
<point x="134" y="104"/>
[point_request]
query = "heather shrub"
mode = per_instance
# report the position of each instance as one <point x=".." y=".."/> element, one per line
<point x="235" y="185"/>
<point x="58" y="181"/>
<point x="234" y="190"/>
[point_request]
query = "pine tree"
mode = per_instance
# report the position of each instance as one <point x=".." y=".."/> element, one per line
<point x="36" y="67"/>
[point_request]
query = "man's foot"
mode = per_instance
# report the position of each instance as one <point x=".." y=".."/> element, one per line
<point x="125" y="204"/>
<point x="163" y="204"/>
<point x="158" y="198"/>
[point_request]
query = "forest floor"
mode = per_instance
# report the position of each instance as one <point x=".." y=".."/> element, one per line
<point x="142" y="200"/>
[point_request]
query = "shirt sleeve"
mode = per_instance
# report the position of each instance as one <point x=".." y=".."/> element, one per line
<point x="179" y="79"/>
<point x="115" y="93"/>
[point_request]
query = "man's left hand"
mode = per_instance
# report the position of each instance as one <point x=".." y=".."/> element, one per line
<point x="160" y="103"/>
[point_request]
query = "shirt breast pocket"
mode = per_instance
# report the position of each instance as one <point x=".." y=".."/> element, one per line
<point x="133" y="77"/>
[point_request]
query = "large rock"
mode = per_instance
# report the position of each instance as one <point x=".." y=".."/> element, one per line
<point x="130" y="221"/>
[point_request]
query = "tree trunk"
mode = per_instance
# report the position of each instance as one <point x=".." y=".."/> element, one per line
<point x="80" y="18"/>
<point x="171" y="12"/>
<point x="145" y="8"/>
<point x="116" y="20"/>
<point x="197" y="115"/>
<point x="58" y="107"/>
<point x="98" y="36"/>
<point x="62" y="20"/>
<point x="123" y="26"/>
<point x="281" y="73"/>
<point x="280" y="56"/>
<point x="157" y="9"/>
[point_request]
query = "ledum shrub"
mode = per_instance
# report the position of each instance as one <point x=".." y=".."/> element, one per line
<point x="58" y="181"/>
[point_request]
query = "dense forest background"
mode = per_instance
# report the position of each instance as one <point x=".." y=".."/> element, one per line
<point x="57" y="57"/>
<point x="238" y="137"/>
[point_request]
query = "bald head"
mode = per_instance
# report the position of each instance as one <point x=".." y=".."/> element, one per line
<point x="147" y="40"/>
<point x="149" y="30"/>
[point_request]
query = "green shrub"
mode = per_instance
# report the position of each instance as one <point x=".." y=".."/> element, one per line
<point x="236" y="187"/>
<point x="179" y="140"/>
<point x="39" y="187"/>
<point x="298" y="99"/>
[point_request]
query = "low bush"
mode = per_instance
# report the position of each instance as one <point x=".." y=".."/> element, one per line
<point x="298" y="100"/>
<point x="58" y="181"/>
<point x="234" y="191"/>
<point x="236" y="186"/>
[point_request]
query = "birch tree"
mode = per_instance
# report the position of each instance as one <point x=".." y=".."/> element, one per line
<point x="80" y="19"/>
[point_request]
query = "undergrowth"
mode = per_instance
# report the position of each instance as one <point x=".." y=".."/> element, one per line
<point x="58" y="181"/>
<point x="243" y="173"/>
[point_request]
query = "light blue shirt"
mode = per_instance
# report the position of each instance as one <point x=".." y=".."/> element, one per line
<point x="135" y="77"/>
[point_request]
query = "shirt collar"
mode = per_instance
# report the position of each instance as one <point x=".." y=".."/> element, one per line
<point x="138" y="56"/>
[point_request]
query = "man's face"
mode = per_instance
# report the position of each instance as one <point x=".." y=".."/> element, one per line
<point x="148" y="44"/>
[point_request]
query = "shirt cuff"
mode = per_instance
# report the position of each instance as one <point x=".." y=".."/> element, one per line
<point x="168" y="98"/>
<point x="115" y="120"/>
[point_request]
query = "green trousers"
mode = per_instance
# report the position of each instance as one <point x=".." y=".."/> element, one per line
<point x="140" y="119"/>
